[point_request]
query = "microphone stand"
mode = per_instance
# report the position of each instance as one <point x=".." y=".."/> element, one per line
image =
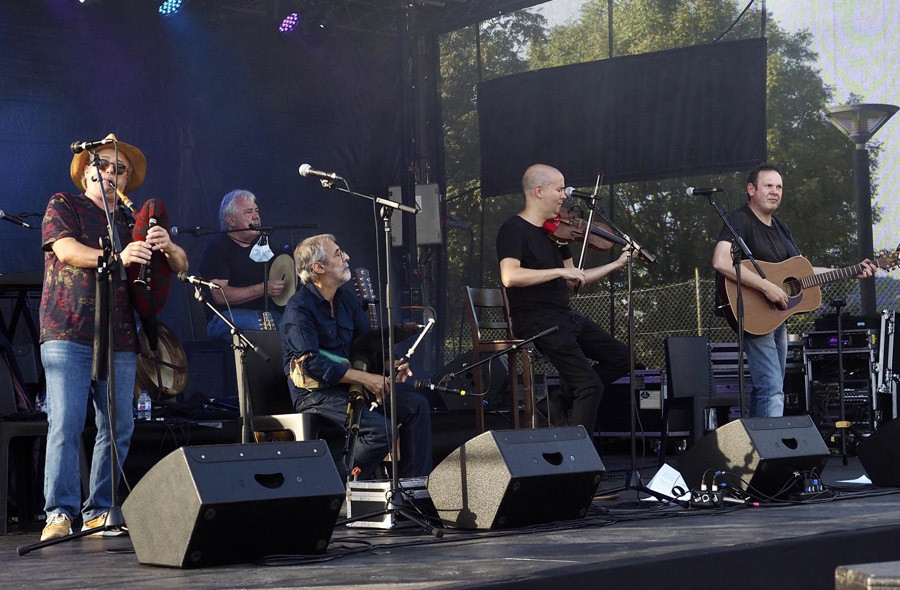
<point x="519" y="345"/>
<point x="240" y="343"/>
<point x="387" y="208"/>
<point x="738" y="248"/>
<point x="206" y="231"/>
<point x="103" y="364"/>
<point x="632" y="247"/>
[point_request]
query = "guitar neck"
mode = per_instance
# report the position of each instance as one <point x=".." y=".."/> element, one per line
<point x="373" y="315"/>
<point x="838" y="274"/>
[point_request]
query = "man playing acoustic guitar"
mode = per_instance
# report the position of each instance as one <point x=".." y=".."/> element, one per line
<point x="770" y="241"/>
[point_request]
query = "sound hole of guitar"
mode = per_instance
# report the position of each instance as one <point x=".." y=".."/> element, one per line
<point x="791" y="287"/>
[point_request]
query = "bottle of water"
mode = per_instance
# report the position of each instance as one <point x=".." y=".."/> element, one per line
<point x="144" y="406"/>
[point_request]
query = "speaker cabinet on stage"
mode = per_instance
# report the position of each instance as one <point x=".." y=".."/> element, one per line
<point x="879" y="454"/>
<point x="762" y="452"/>
<point x="514" y="478"/>
<point x="212" y="505"/>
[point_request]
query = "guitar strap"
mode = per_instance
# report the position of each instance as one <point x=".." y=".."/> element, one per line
<point x="789" y="245"/>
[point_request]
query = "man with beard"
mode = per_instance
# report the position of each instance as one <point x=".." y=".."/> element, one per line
<point x="321" y="321"/>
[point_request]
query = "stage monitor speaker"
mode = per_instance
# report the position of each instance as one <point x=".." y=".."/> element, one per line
<point x="758" y="455"/>
<point x="880" y="454"/>
<point x="213" y="505"/>
<point x="514" y="478"/>
<point x="493" y="382"/>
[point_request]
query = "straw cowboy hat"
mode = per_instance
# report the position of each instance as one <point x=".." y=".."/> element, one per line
<point x="134" y="155"/>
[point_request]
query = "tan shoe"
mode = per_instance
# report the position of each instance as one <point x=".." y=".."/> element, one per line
<point x="100" y="521"/>
<point x="58" y="525"/>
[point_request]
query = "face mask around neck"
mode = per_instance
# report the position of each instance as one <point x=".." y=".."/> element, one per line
<point x="260" y="252"/>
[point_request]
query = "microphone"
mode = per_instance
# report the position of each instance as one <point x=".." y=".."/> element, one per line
<point x="186" y="278"/>
<point x="252" y="226"/>
<point x="13" y="219"/>
<point x="429" y="386"/>
<point x="194" y="231"/>
<point x="692" y="191"/>
<point x="214" y="402"/>
<point x="572" y="192"/>
<point x="307" y="170"/>
<point x="80" y="146"/>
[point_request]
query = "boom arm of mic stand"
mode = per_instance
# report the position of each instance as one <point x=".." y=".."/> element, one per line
<point x="268" y="228"/>
<point x="516" y="346"/>
<point x="377" y="200"/>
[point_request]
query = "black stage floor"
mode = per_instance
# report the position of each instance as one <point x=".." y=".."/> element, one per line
<point x="621" y="544"/>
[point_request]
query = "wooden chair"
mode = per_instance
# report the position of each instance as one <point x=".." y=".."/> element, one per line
<point x="488" y="313"/>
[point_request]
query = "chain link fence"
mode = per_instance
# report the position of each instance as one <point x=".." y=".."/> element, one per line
<point x="684" y="309"/>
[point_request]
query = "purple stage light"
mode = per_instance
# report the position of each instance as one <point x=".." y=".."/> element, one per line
<point x="289" y="22"/>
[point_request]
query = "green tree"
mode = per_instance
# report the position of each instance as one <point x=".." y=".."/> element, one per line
<point x="501" y="44"/>
<point x="815" y="159"/>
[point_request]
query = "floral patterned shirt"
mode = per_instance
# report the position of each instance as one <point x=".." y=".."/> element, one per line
<point x="67" y="301"/>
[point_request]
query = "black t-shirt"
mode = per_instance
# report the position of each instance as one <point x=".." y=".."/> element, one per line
<point x="533" y="248"/>
<point x="767" y="243"/>
<point x="226" y="260"/>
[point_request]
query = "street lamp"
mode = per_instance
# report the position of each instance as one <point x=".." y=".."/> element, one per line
<point x="859" y="122"/>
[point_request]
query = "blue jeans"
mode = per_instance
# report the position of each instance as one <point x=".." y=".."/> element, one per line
<point x="372" y="443"/>
<point x="244" y="319"/>
<point x="766" y="358"/>
<point x="67" y="366"/>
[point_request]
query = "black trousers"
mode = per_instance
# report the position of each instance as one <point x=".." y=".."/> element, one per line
<point x="373" y="441"/>
<point x="571" y="350"/>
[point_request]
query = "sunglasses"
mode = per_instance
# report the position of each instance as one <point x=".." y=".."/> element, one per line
<point x="119" y="169"/>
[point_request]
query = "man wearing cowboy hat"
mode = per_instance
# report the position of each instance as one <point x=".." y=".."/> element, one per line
<point x="72" y="228"/>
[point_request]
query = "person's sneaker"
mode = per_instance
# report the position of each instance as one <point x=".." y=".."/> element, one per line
<point x="98" y="522"/>
<point x="58" y="525"/>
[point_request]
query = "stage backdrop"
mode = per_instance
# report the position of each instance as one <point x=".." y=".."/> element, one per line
<point x="692" y="110"/>
<point x="216" y="102"/>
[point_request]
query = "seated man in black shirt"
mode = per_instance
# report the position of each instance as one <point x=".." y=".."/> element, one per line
<point x="236" y="261"/>
<point x="538" y="275"/>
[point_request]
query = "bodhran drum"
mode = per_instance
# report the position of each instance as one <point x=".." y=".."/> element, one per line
<point x="283" y="267"/>
<point x="164" y="372"/>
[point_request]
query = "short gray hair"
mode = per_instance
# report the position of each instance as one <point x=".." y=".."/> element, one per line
<point x="307" y="253"/>
<point x="229" y="204"/>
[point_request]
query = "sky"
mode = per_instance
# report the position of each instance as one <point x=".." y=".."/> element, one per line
<point x="857" y="54"/>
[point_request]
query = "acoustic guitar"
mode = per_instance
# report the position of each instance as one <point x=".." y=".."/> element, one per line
<point x="798" y="280"/>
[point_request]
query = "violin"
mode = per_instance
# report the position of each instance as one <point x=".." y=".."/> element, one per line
<point x="566" y="227"/>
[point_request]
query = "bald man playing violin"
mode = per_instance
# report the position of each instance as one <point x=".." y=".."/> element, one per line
<point x="538" y="275"/>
